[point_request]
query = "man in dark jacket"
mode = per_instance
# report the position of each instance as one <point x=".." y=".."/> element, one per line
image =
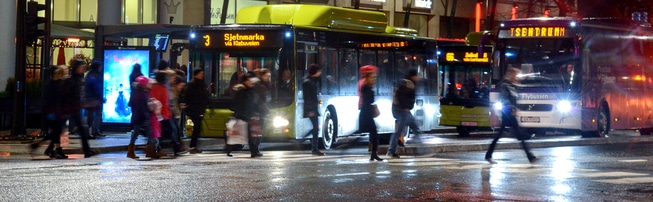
<point x="194" y="101"/>
<point x="309" y="90"/>
<point x="73" y="102"/>
<point x="402" y="103"/>
<point x="93" y="98"/>
<point x="508" y="97"/>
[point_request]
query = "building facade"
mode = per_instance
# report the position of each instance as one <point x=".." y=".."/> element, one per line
<point x="429" y="17"/>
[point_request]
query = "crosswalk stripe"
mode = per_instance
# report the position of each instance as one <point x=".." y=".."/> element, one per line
<point x="630" y="180"/>
<point x="610" y="174"/>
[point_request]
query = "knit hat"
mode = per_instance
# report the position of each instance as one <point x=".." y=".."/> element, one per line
<point x="313" y="68"/>
<point x="142" y="81"/>
<point x="368" y="68"/>
<point x="411" y="72"/>
<point x="163" y="65"/>
<point x="197" y="71"/>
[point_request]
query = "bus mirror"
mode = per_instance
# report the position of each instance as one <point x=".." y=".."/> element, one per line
<point x="486" y="39"/>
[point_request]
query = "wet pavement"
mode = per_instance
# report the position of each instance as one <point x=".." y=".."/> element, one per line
<point x="598" y="172"/>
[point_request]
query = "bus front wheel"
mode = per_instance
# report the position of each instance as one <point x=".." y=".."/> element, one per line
<point x="329" y="129"/>
<point x="603" y="124"/>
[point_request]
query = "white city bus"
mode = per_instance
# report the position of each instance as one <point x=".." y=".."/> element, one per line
<point x="588" y="76"/>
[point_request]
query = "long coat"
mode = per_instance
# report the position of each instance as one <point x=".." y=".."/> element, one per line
<point x="309" y="89"/>
<point x="366" y="115"/>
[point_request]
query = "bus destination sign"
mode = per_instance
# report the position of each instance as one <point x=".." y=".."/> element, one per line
<point x="466" y="57"/>
<point x="393" y="44"/>
<point x="238" y="40"/>
<point x="530" y="32"/>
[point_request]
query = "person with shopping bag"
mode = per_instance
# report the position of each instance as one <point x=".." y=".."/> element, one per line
<point x="244" y="105"/>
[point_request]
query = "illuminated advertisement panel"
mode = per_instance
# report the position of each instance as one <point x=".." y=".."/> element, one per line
<point x="118" y="65"/>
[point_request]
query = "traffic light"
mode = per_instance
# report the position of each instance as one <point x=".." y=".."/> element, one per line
<point x="32" y="21"/>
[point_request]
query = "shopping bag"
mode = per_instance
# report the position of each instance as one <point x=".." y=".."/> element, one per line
<point x="236" y="132"/>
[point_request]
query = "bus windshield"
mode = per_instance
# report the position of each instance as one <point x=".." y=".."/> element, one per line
<point x="229" y="68"/>
<point x="464" y="81"/>
<point x="545" y="63"/>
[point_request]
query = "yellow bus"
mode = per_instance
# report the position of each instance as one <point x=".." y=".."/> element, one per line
<point x="465" y="88"/>
<point x="286" y="39"/>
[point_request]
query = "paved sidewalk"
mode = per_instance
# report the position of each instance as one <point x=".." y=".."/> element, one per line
<point x="431" y="143"/>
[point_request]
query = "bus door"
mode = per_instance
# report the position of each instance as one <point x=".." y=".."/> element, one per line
<point x="306" y="55"/>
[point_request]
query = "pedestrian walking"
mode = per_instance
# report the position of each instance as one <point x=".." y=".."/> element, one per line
<point x="159" y="92"/>
<point x="263" y="97"/>
<point x="508" y="97"/>
<point x="72" y="102"/>
<point x="194" y="101"/>
<point x="93" y="99"/>
<point x="309" y="91"/>
<point x="178" y="86"/>
<point x="245" y="107"/>
<point x="368" y="110"/>
<point x="141" y="119"/>
<point x="402" y="103"/>
<point x="55" y="117"/>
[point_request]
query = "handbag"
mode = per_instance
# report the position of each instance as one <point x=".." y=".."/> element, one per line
<point x="236" y="132"/>
<point x="375" y="110"/>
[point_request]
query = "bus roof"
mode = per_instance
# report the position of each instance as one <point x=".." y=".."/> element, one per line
<point x="315" y="16"/>
<point x="565" y="21"/>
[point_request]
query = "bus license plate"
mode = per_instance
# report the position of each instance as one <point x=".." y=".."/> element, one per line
<point x="530" y="119"/>
<point x="468" y="123"/>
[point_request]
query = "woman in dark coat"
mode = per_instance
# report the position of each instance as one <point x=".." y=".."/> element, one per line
<point x="245" y="105"/>
<point x="367" y="108"/>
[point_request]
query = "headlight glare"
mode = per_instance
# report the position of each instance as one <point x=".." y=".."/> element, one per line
<point x="498" y="106"/>
<point x="279" y="122"/>
<point x="564" y="106"/>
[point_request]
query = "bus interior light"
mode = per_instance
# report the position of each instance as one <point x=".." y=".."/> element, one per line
<point x="564" y="106"/>
<point x="572" y="24"/>
<point x="288" y="34"/>
<point x="192" y="35"/>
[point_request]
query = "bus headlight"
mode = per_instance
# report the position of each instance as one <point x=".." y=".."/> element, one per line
<point x="278" y="122"/>
<point x="498" y="106"/>
<point x="564" y="106"/>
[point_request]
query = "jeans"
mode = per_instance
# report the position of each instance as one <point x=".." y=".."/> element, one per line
<point x="508" y="120"/>
<point x="76" y="119"/>
<point x="404" y="118"/>
<point x="171" y="127"/>
<point x="94" y="119"/>
<point x="315" y="139"/>
<point x="137" y="131"/>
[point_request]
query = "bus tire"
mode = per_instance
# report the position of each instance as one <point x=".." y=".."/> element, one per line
<point x="462" y="131"/>
<point x="602" y="124"/>
<point x="645" y="131"/>
<point x="329" y="128"/>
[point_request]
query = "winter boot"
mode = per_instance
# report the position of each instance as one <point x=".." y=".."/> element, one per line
<point x="150" y="151"/>
<point x="58" y="153"/>
<point x="130" y="151"/>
